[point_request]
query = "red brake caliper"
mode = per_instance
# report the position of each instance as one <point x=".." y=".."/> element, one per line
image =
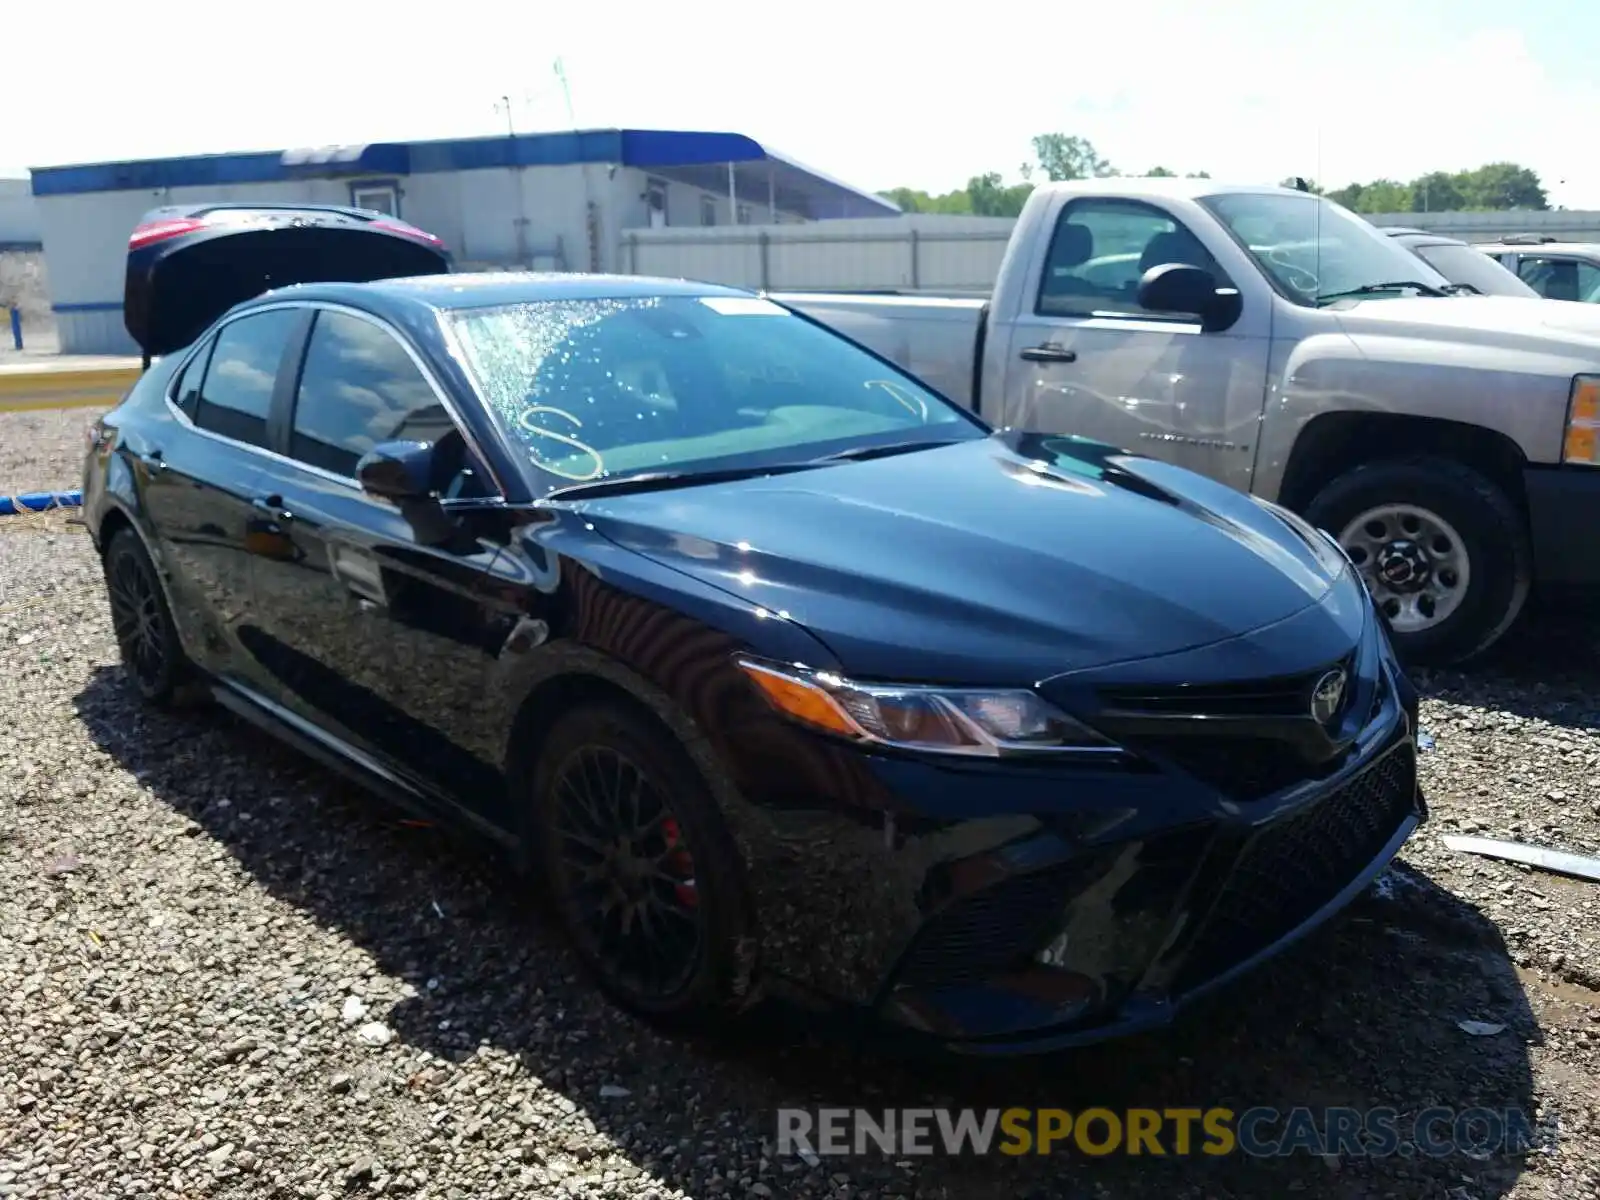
<point x="682" y="863"/>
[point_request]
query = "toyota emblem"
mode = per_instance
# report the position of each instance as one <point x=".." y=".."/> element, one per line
<point x="1327" y="696"/>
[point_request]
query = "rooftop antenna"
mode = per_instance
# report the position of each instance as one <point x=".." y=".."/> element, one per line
<point x="566" y="91"/>
<point x="504" y="105"/>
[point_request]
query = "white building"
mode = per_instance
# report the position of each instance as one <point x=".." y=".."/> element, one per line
<point x="550" y="201"/>
<point x="19" y="216"/>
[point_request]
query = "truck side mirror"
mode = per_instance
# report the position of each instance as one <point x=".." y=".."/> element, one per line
<point x="1192" y="291"/>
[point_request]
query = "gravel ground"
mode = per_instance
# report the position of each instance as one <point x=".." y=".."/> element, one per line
<point x="224" y="973"/>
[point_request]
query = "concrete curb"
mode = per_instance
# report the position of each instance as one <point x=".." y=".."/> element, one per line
<point x="27" y="388"/>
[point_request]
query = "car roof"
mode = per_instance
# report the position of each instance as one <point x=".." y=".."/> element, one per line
<point x="489" y="289"/>
<point x="1421" y="237"/>
<point x="1586" y="249"/>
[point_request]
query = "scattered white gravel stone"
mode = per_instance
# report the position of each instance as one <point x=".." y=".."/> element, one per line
<point x="172" y="1007"/>
<point x="375" y="1033"/>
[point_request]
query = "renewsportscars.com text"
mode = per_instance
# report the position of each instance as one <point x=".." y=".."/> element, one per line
<point x="1258" y="1132"/>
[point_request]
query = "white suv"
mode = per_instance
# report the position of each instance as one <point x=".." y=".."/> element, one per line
<point x="1556" y="270"/>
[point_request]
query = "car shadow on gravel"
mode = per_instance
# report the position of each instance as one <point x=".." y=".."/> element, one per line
<point x="1544" y="669"/>
<point x="1364" y="1015"/>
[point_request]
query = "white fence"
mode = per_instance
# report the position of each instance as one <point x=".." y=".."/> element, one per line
<point x="948" y="254"/>
<point x="912" y="253"/>
<point x="1563" y="225"/>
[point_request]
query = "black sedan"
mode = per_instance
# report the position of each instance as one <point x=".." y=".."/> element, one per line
<point x="778" y="671"/>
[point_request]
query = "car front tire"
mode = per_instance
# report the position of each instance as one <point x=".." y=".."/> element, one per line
<point x="640" y="868"/>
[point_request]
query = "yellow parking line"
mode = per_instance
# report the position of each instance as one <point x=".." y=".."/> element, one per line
<point x="71" y="400"/>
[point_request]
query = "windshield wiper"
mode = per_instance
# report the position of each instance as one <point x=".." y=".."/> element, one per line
<point x="651" y="481"/>
<point x="858" y="453"/>
<point x="1460" y="289"/>
<point x="1372" y="289"/>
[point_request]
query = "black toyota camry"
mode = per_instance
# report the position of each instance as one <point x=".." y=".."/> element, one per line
<point x="776" y="670"/>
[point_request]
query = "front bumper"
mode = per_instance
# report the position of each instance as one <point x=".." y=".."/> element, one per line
<point x="1562" y="502"/>
<point x="1001" y="909"/>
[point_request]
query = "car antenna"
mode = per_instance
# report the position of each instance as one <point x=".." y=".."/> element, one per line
<point x="1300" y="185"/>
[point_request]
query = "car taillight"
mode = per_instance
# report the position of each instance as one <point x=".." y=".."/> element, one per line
<point x="411" y="231"/>
<point x="160" y="231"/>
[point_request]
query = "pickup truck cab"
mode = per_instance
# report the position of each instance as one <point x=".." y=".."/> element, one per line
<point x="1279" y="343"/>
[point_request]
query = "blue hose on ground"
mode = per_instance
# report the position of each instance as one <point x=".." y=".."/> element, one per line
<point x="38" y="502"/>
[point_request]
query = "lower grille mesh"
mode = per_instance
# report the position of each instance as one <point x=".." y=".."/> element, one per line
<point x="989" y="932"/>
<point x="1292" y="868"/>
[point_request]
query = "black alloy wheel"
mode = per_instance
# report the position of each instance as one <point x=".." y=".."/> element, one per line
<point x="639" y="867"/>
<point x="146" y="635"/>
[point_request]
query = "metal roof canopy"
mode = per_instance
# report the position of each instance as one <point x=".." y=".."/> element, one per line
<point x="777" y="182"/>
<point x="698" y="158"/>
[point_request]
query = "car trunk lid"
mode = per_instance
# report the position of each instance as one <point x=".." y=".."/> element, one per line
<point x="188" y="265"/>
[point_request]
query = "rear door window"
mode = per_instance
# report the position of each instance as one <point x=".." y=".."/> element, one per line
<point x="186" y="391"/>
<point x="359" y="387"/>
<point x="236" y="395"/>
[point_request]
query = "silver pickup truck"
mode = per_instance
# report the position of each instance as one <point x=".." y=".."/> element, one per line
<point x="1277" y="342"/>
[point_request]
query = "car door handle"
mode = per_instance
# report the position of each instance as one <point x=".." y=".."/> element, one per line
<point x="1049" y="352"/>
<point x="153" y="461"/>
<point x="273" y="507"/>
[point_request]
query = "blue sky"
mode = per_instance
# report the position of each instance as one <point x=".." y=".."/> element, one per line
<point x="878" y="94"/>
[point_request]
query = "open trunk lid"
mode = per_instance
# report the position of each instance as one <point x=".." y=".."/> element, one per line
<point x="188" y="265"/>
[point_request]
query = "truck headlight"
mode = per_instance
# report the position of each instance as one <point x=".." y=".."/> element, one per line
<point x="1583" y="422"/>
<point x="977" y="721"/>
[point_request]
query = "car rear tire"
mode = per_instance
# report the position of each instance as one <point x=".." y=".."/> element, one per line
<point x="640" y="868"/>
<point x="146" y="634"/>
<point x="1444" y="552"/>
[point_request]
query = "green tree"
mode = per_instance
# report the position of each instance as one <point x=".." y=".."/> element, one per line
<point x="1062" y="156"/>
<point x="1160" y="173"/>
<point x="1493" y="186"/>
<point x="990" y="196"/>
<point x="1502" y="185"/>
<point x="1379" y="196"/>
<point x="1437" y="191"/>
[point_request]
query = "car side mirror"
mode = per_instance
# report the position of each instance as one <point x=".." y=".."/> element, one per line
<point x="403" y="474"/>
<point x="1192" y="291"/>
<point x="397" y="471"/>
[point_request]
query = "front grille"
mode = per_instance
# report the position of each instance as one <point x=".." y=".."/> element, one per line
<point x="1254" y="754"/>
<point x="1290" y="869"/>
<point x="987" y="933"/>
<point x="1244" y="768"/>
<point x="1279" y="696"/>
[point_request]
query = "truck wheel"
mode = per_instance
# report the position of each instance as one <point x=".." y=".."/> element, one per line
<point x="1444" y="553"/>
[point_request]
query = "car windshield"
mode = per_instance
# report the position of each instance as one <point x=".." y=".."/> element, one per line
<point x="593" y="389"/>
<point x="1315" y="251"/>
<point x="1463" y="264"/>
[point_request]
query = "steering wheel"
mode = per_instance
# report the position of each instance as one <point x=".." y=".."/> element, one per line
<point x="1292" y="274"/>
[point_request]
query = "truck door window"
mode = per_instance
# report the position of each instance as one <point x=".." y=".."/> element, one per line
<point x="1102" y="248"/>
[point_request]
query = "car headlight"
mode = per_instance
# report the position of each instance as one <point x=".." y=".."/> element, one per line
<point x="1583" y="422"/>
<point x="968" y="721"/>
